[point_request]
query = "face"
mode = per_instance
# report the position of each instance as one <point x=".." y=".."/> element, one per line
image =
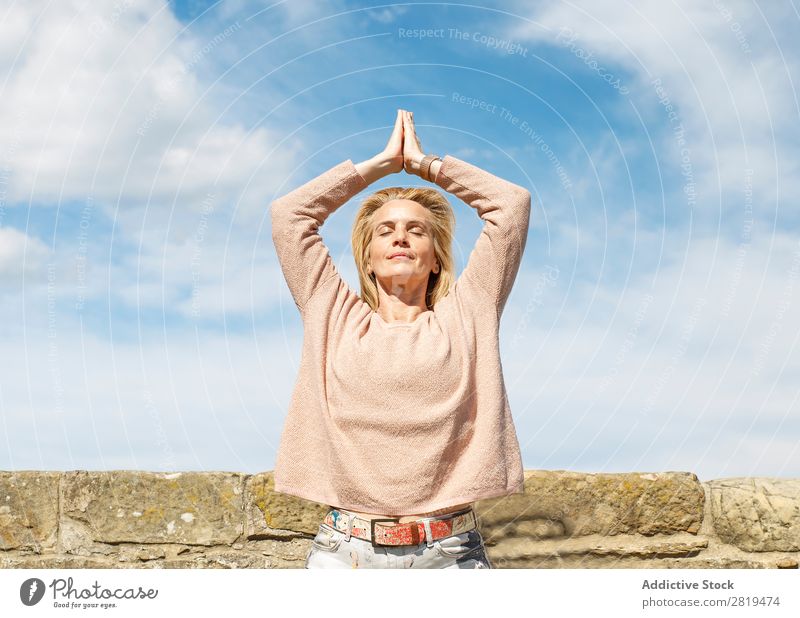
<point x="402" y="226"/>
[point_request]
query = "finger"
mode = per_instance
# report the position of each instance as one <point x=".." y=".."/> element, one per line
<point x="411" y="121"/>
<point x="412" y="129"/>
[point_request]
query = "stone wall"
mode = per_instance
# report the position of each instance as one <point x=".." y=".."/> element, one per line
<point x="128" y="519"/>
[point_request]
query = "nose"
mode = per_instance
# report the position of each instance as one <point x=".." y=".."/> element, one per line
<point x="400" y="235"/>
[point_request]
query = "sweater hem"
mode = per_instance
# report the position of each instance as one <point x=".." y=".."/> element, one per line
<point x="424" y="507"/>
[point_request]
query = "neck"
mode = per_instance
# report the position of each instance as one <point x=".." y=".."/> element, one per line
<point x="400" y="312"/>
<point x="403" y="304"/>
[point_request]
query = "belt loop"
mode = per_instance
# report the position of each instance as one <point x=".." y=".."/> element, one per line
<point x="426" y="523"/>
<point x="347" y="534"/>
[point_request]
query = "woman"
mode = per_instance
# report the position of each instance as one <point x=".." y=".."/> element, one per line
<point x="400" y="412"/>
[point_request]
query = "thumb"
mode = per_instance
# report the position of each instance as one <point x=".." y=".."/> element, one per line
<point x="397" y="132"/>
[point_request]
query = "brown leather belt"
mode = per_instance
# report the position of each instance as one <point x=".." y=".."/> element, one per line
<point x="426" y="529"/>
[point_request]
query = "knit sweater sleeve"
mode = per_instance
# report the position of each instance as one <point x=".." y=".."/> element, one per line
<point x="296" y="219"/>
<point x="505" y="209"/>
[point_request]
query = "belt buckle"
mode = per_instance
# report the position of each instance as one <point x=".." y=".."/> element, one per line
<point x="372" y="523"/>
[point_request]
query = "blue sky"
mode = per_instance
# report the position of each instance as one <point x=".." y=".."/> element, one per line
<point x="145" y="320"/>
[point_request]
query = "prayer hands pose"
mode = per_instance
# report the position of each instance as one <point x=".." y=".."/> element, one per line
<point x="403" y="151"/>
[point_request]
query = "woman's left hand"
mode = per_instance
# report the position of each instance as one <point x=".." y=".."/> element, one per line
<point x="412" y="149"/>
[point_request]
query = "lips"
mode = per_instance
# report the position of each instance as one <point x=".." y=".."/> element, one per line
<point x="394" y="255"/>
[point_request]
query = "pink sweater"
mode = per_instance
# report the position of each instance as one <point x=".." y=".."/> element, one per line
<point x="400" y="418"/>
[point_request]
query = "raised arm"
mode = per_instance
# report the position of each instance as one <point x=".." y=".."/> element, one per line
<point x="505" y="209"/>
<point x="296" y="218"/>
<point x="298" y="215"/>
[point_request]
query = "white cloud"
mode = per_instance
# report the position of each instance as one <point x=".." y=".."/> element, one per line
<point x="387" y="15"/>
<point x="692" y="361"/>
<point x="719" y="63"/>
<point x="109" y="105"/>
<point x="109" y="100"/>
<point x="72" y="401"/>
<point x="21" y="256"/>
<point x="207" y="276"/>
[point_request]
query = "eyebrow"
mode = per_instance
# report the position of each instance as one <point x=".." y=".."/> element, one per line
<point x="410" y="221"/>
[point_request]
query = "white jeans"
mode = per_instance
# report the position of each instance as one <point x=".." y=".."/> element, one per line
<point x="331" y="550"/>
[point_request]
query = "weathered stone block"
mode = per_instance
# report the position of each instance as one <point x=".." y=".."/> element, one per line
<point x="757" y="514"/>
<point x="558" y="504"/>
<point x="271" y="514"/>
<point x="196" y="508"/>
<point x="596" y="550"/>
<point x="28" y="510"/>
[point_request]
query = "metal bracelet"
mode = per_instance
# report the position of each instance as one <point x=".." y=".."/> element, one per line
<point x="425" y="166"/>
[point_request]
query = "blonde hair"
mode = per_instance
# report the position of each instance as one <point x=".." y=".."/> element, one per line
<point x="442" y="226"/>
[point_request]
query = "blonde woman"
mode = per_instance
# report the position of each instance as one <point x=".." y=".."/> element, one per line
<point x="399" y="419"/>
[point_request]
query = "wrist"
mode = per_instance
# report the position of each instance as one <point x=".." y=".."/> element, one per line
<point x="428" y="167"/>
<point x="413" y="164"/>
<point x="375" y="168"/>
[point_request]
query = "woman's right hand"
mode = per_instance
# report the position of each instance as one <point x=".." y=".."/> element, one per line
<point x="393" y="153"/>
<point x="390" y="160"/>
